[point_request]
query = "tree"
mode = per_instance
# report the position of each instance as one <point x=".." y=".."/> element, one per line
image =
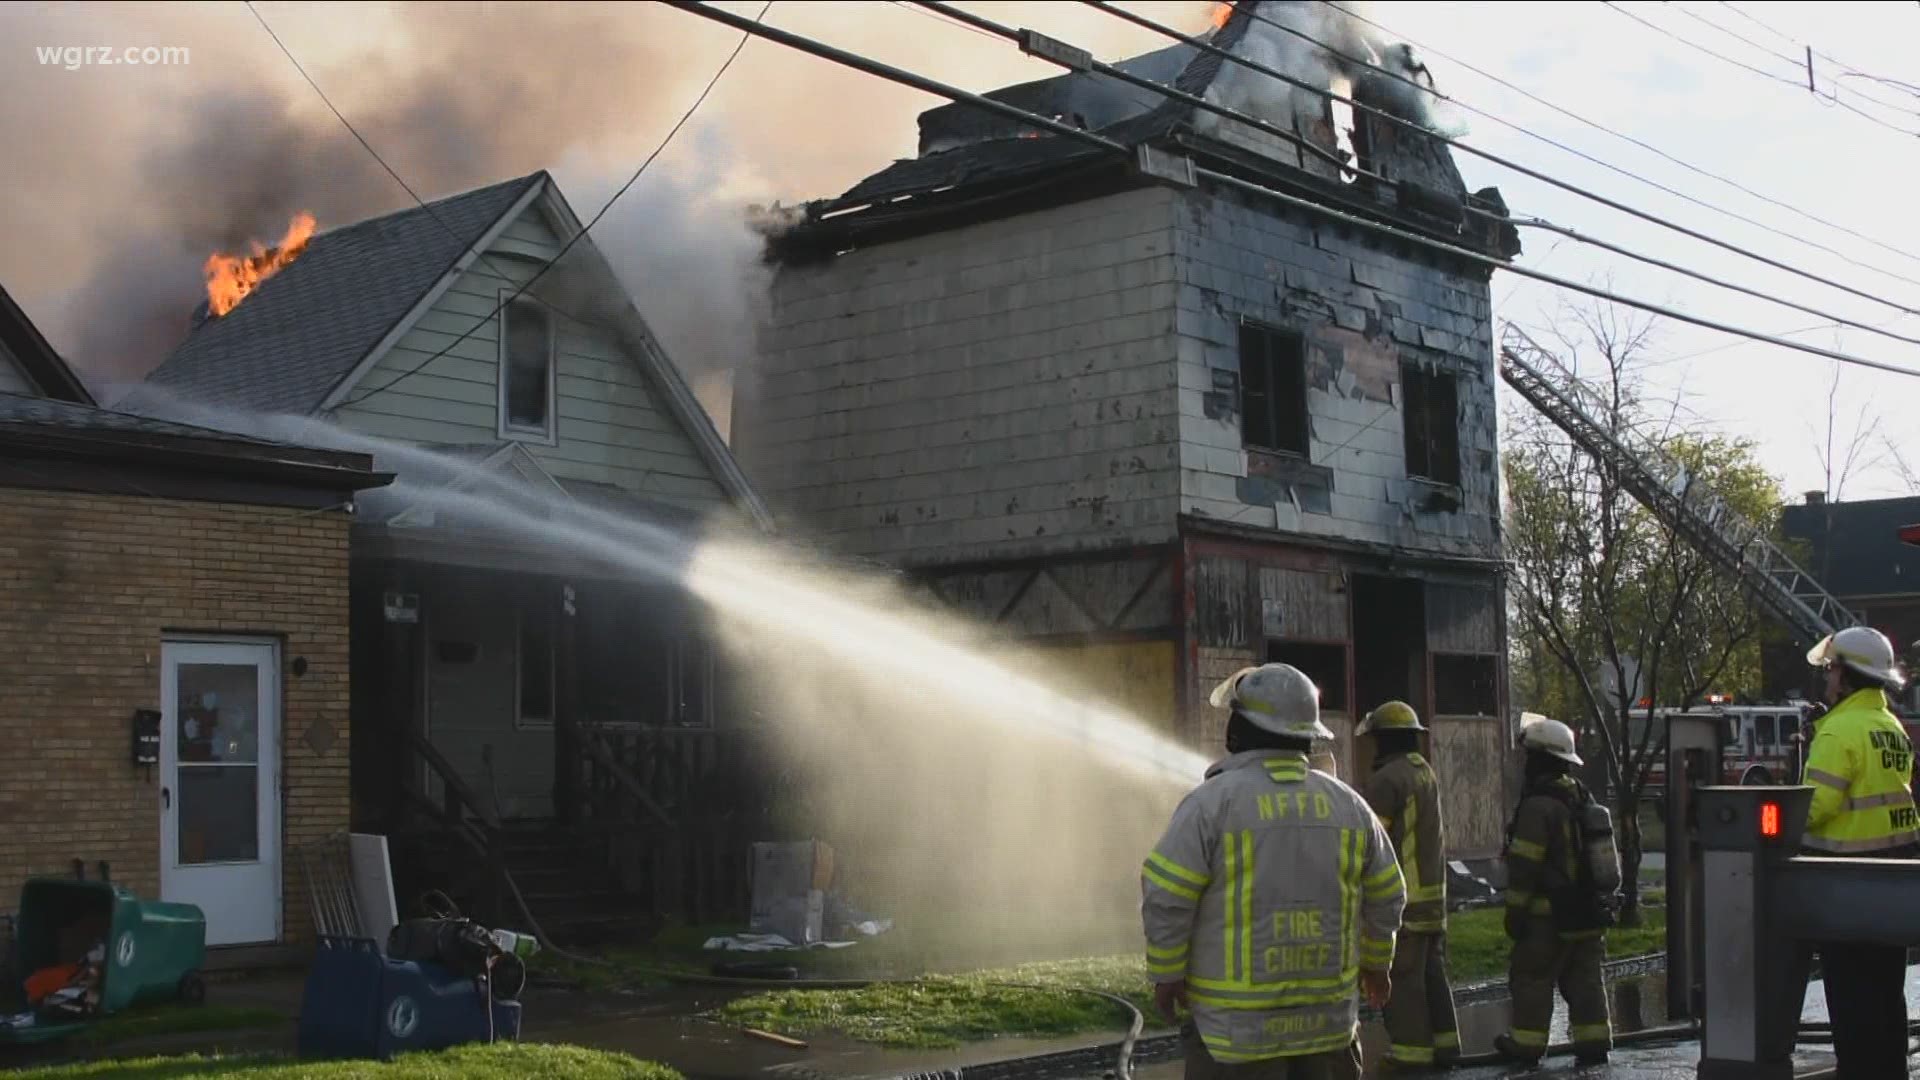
<point x="1614" y="606"/>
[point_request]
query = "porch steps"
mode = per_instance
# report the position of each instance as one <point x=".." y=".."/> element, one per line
<point x="564" y="877"/>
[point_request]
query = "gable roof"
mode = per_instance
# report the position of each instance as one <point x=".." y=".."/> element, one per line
<point x="291" y="342"/>
<point x="20" y="339"/>
<point x="301" y="341"/>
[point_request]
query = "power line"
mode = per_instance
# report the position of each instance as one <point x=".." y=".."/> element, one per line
<point x="1649" y="147"/>
<point x="1073" y="58"/>
<point x="904" y="77"/>
<point x="1797" y="63"/>
<point x="1848" y="69"/>
<point x="1797" y="85"/>
<point x="1508" y="163"/>
<point x="584" y="230"/>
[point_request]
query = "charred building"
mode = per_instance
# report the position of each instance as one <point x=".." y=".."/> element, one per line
<point x="1165" y="429"/>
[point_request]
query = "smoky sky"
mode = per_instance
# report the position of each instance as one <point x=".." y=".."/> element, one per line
<point x="126" y="178"/>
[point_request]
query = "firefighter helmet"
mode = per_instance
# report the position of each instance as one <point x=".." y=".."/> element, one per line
<point x="1863" y="649"/>
<point x="1393" y="716"/>
<point x="1539" y="735"/>
<point x="1276" y="697"/>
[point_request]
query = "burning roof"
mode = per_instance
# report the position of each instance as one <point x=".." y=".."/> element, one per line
<point x="231" y="277"/>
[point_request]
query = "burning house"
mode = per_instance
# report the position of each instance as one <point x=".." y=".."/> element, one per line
<point x="513" y="704"/>
<point x="1159" y="429"/>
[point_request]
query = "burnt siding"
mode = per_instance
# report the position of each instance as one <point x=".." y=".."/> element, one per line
<point x="1365" y="311"/>
<point x="996" y="391"/>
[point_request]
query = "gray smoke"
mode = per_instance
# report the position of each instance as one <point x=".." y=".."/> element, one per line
<point x="1343" y="53"/>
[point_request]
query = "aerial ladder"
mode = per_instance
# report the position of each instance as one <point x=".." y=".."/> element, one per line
<point x="1665" y="487"/>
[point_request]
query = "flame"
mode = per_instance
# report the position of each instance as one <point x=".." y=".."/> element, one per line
<point x="1221" y="13"/>
<point x="231" y="277"/>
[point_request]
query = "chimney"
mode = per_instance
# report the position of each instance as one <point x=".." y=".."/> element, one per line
<point x="1816" y="498"/>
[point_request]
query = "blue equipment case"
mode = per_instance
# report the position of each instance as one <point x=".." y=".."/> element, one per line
<point x="360" y="1004"/>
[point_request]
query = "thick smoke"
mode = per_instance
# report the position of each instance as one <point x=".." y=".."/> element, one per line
<point x="130" y="177"/>
<point x="1344" y="53"/>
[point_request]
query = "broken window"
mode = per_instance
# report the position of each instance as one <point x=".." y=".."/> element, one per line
<point x="526" y="378"/>
<point x="534" y="666"/>
<point x="1273" y="389"/>
<point x="1326" y="665"/>
<point x="1466" y="685"/>
<point x="1433" y="424"/>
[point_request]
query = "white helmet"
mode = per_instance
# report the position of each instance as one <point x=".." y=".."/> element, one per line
<point x="1863" y="649"/>
<point x="1277" y="698"/>
<point x="1538" y="734"/>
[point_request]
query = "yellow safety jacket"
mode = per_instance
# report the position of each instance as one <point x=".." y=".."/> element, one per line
<point x="1860" y="766"/>
<point x="1406" y="795"/>
<point x="1273" y="886"/>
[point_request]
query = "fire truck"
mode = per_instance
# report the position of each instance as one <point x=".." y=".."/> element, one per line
<point x="1761" y="744"/>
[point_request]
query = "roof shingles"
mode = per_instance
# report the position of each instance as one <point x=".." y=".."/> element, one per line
<point x="286" y="347"/>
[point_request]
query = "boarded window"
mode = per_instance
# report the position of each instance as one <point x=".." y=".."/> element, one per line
<point x="526" y="398"/>
<point x="1466" y="686"/>
<point x="535" y="667"/>
<point x="1433" y="424"/>
<point x="1273" y="389"/>
<point x="1326" y="665"/>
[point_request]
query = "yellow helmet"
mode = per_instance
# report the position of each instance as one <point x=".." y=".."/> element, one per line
<point x="1393" y="716"/>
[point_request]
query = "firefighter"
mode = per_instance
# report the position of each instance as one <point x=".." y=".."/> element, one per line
<point x="1555" y="917"/>
<point x="1273" y="899"/>
<point x="1859" y="767"/>
<point x="1421" y="1030"/>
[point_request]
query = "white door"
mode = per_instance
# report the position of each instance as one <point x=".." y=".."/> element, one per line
<point x="220" y="785"/>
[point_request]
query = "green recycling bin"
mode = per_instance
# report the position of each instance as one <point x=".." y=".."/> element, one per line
<point x="153" y="950"/>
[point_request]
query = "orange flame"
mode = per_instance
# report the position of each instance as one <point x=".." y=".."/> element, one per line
<point x="1221" y="13"/>
<point x="231" y="277"/>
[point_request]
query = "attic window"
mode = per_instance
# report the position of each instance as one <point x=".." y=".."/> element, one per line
<point x="526" y="371"/>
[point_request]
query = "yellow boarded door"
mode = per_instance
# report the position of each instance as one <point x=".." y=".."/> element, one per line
<point x="1136" y="676"/>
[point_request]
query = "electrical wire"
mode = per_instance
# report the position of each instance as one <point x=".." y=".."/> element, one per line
<point x="1021" y="37"/>
<point x="1847" y="68"/>
<point x="549" y="264"/>
<point x="1800" y="64"/>
<point x="1650" y="148"/>
<point x="1508" y="163"/>
<point x="870" y="66"/>
<point x="1796" y="84"/>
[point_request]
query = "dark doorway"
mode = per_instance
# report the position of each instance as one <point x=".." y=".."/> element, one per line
<point x="1389" y="642"/>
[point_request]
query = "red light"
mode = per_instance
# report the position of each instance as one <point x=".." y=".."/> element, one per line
<point x="1770" y="820"/>
<point x="1910" y="534"/>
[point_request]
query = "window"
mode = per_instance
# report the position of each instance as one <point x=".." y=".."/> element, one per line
<point x="534" y="667"/>
<point x="1764" y="723"/>
<point x="1326" y="665"/>
<point x="1433" y="424"/>
<point x="1273" y="389"/>
<point x="1467" y="686"/>
<point x="526" y="371"/>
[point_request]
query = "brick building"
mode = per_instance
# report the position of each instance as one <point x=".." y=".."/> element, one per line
<point x="1164" y="430"/>
<point x="199" y="579"/>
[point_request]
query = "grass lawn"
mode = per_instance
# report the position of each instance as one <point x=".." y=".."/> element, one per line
<point x="178" y="1019"/>
<point x="499" y="1062"/>
<point x="944" y="1010"/>
<point x="1477" y="943"/>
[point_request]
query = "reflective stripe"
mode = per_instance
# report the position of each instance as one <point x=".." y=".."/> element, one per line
<point x="1591" y="1033"/>
<point x="1821" y="776"/>
<point x="1222" y="988"/>
<point x="1191" y="877"/>
<point x="1166" y="967"/>
<point x="1877" y="843"/>
<point x="1410" y="1055"/>
<point x="1155" y="878"/>
<point x="1446" y="1040"/>
<point x="1349" y="892"/>
<point x="1287" y="1000"/>
<point x="1232" y="953"/>
<point x="1868" y="802"/>
<point x="1427" y="892"/>
<point x="1517" y="897"/>
<point x="1379" y="878"/>
<point x="1425" y="926"/>
<point x="1410" y="845"/>
<point x="1532" y="1040"/>
<point x="1246" y="924"/>
<point x="1526" y="849"/>
<point x="1174" y="953"/>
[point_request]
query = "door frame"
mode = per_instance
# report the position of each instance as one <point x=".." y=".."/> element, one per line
<point x="272" y="765"/>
